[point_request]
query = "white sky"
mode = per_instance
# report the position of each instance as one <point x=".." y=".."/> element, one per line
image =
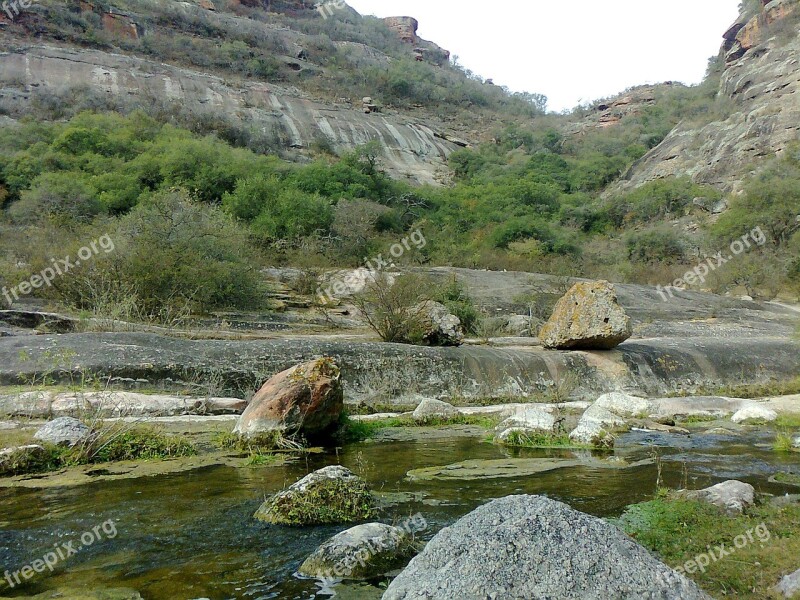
<point x="572" y="51"/>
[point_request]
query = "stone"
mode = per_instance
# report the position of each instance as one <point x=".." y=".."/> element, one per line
<point x="534" y="547"/>
<point x="440" y="326"/>
<point x="625" y="405"/>
<point x="754" y="412"/>
<point x="588" y="317"/>
<point x="307" y="399"/>
<point x="521" y="326"/>
<point x="430" y="409"/>
<point x="596" y="427"/>
<point x="33" y="319"/>
<point x="361" y="552"/>
<point x="733" y="497"/>
<point x="64" y="431"/>
<point x="529" y="419"/>
<point x="796" y="442"/>
<point x="330" y="495"/>
<point x="789" y="586"/>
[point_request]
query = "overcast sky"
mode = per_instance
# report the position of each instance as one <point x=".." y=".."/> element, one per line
<point x="575" y="51"/>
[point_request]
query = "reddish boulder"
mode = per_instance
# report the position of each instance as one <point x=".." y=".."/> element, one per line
<point x="307" y="399"/>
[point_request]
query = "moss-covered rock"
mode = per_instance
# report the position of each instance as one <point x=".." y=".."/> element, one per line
<point x="327" y="496"/>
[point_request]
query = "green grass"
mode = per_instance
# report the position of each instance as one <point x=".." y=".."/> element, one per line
<point x="680" y="530"/>
<point x="788" y="421"/>
<point x="754" y="390"/>
<point x="519" y="439"/>
<point x="353" y="430"/>
<point x="690" y="419"/>
<point x="784" y="442"/>
<point x="790" y="478"/>
<point x="106" y="446"/>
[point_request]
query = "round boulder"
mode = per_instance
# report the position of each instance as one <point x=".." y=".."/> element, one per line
<point x="430" y="409"/>
<point x="362" y="552"/>
<point x="440" y="326"/>
<point x="64" y="431"/>
<point x="328" y="496"/>
<point x="588" y="317"/>
<point x="754" y="412"/>
<point x="307" y="399"/>
<point x="533" y="547"/>
<point x="733" y="497"/>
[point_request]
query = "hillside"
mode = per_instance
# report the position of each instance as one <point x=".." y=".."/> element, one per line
<point x="317" y="137"/>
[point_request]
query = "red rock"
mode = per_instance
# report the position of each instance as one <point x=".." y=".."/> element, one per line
<point x="307" y="398"/>
<point x="121" y="25"/>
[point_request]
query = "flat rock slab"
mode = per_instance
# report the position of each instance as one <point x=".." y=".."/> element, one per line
<point x="469" y="470"/>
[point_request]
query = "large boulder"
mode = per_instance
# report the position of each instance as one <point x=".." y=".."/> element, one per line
<point x="440" y="326"/>
<point x="588" y="317"/>
<point x="330" y="495"/>
<point x="430" y="409"/>
<point x="754" y="412"/>
<point x="64" y="431"/>
<point x="534" y="547"/>
<point x="362" y="552"/>
<point x="596" y="427"/>
<point x="796" y="441"/>
<point x="307" y="399"/>
<point x="525" y="422"/>
<point x="733" y="497"/>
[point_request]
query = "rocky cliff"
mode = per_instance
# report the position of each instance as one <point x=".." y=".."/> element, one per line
<point x="758" y="100"/>
<point x="286" y="118"/>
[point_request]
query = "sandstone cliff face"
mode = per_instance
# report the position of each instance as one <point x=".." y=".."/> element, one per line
<point x="761" y="81"/>
<point x="406" y="30"/>
<point x="412" y="150"/>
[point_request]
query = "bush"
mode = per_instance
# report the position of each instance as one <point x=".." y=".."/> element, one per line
<point x="394" y="310"/>
<point x="660" y="244"/>
<point x="171" y="253"/>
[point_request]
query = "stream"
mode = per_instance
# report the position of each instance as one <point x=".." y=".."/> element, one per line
<point x="191" y="535"/>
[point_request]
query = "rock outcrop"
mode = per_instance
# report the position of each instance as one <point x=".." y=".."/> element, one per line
<point x="525" y="422"/>
<point x="534" y="547"/>
<point x="361" y="552"/>
<point x="64" y="431"/>
<point x="588" y="317"/>
<point x="761" y="82"/>
<point x="412" y="150"/>
<point x="306" y="399"/>
<point x="328" y="496"/>
<point x="406" y="30"/>
<point x="20" y="459"/>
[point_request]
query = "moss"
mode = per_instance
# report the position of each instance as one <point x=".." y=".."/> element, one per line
<point x="331" y="501"/>
<point x="680" y="530"/>
<point x="519" y="439"/>
<point x="352" y="430"/>
<point x="108" y="446"/>
<point x="788" y="478"/>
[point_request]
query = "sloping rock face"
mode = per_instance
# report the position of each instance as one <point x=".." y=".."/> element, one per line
<point x="762" y="79"/>
<point x="406" y="30"/>
<point x="411" y="149"/>
<point x="587" y="317"/>
<point x="307" y="398"/>
<point x="534" y="547"/>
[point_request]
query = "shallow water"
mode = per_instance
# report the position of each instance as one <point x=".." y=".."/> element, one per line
<point x="192" y="535"/>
